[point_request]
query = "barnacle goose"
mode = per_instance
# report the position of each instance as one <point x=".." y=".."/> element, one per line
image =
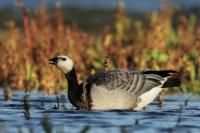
<point x="114" y="89"/>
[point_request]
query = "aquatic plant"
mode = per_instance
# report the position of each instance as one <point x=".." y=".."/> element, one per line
<point x="160" y="101"/>
<point x="136" y="121"/>
<point x="26" y="106"/>
<point x="7" y="94"/>
<point x="58" y="103"/>
<point x="46" y="124"/>
<point x="85" y="129"/>
<point x="123" y="129"/>
<point x="63" y="102"/>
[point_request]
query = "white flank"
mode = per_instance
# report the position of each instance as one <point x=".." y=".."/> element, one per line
<point x="103" y="99"/>
<point x="149" y="96"/>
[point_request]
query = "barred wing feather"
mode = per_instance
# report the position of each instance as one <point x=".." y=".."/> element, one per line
<point x="135" y="83"/>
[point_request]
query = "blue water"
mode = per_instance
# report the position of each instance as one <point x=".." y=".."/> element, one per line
<point x="131" y="5"/>
<point x="177" y="115"/>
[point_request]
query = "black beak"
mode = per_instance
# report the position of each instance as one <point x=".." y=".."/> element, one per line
<point x="53" y="61"/>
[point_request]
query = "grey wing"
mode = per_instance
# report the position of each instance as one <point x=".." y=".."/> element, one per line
<point x="133" y="82"/>
<point x="146" y="82"/>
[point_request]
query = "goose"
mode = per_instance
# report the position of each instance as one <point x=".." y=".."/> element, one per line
<point x="115" y="89"/>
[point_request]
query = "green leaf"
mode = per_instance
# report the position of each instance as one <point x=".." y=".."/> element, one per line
<point x="192" y="72"/>
<point x="194" y="53"/>
<point x="28" y="72"/>
<point x="163" y="57"/>
<point x="97" y="64"/>
<point x="154" y="53"/>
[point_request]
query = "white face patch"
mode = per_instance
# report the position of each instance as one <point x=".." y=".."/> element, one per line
<point x="65" y="65"/>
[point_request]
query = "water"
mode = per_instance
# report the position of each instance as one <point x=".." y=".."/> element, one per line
<point x="177" y="115"/>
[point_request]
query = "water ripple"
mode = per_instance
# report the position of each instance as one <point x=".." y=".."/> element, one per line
<point x="175" y="116"/>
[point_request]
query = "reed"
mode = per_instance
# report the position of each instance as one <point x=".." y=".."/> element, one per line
<point x="47" y="125"/>
<point x="26" y="106"/>
<point x="85" y="129"/>
<point x="7" y="94"/>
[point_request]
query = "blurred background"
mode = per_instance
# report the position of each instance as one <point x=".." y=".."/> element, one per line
<point x="133" y="34"/>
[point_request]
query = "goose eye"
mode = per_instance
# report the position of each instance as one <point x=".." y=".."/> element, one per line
<point x="64" y="59"/>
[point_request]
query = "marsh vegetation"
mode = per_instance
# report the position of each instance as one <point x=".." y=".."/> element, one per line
<point x="163" y="40"/>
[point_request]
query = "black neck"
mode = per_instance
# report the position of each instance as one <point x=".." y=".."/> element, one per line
<point x="74" y="92"/>
<point x="72" y="78"/>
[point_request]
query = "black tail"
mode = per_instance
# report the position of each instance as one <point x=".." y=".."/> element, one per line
<point x="162" y="73"/>
<point x="172" y="82"/>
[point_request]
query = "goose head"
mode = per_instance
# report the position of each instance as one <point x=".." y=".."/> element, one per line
<point x="62" y="62"/>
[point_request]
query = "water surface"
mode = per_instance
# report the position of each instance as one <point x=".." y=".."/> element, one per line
<point x="177" y="115"/>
